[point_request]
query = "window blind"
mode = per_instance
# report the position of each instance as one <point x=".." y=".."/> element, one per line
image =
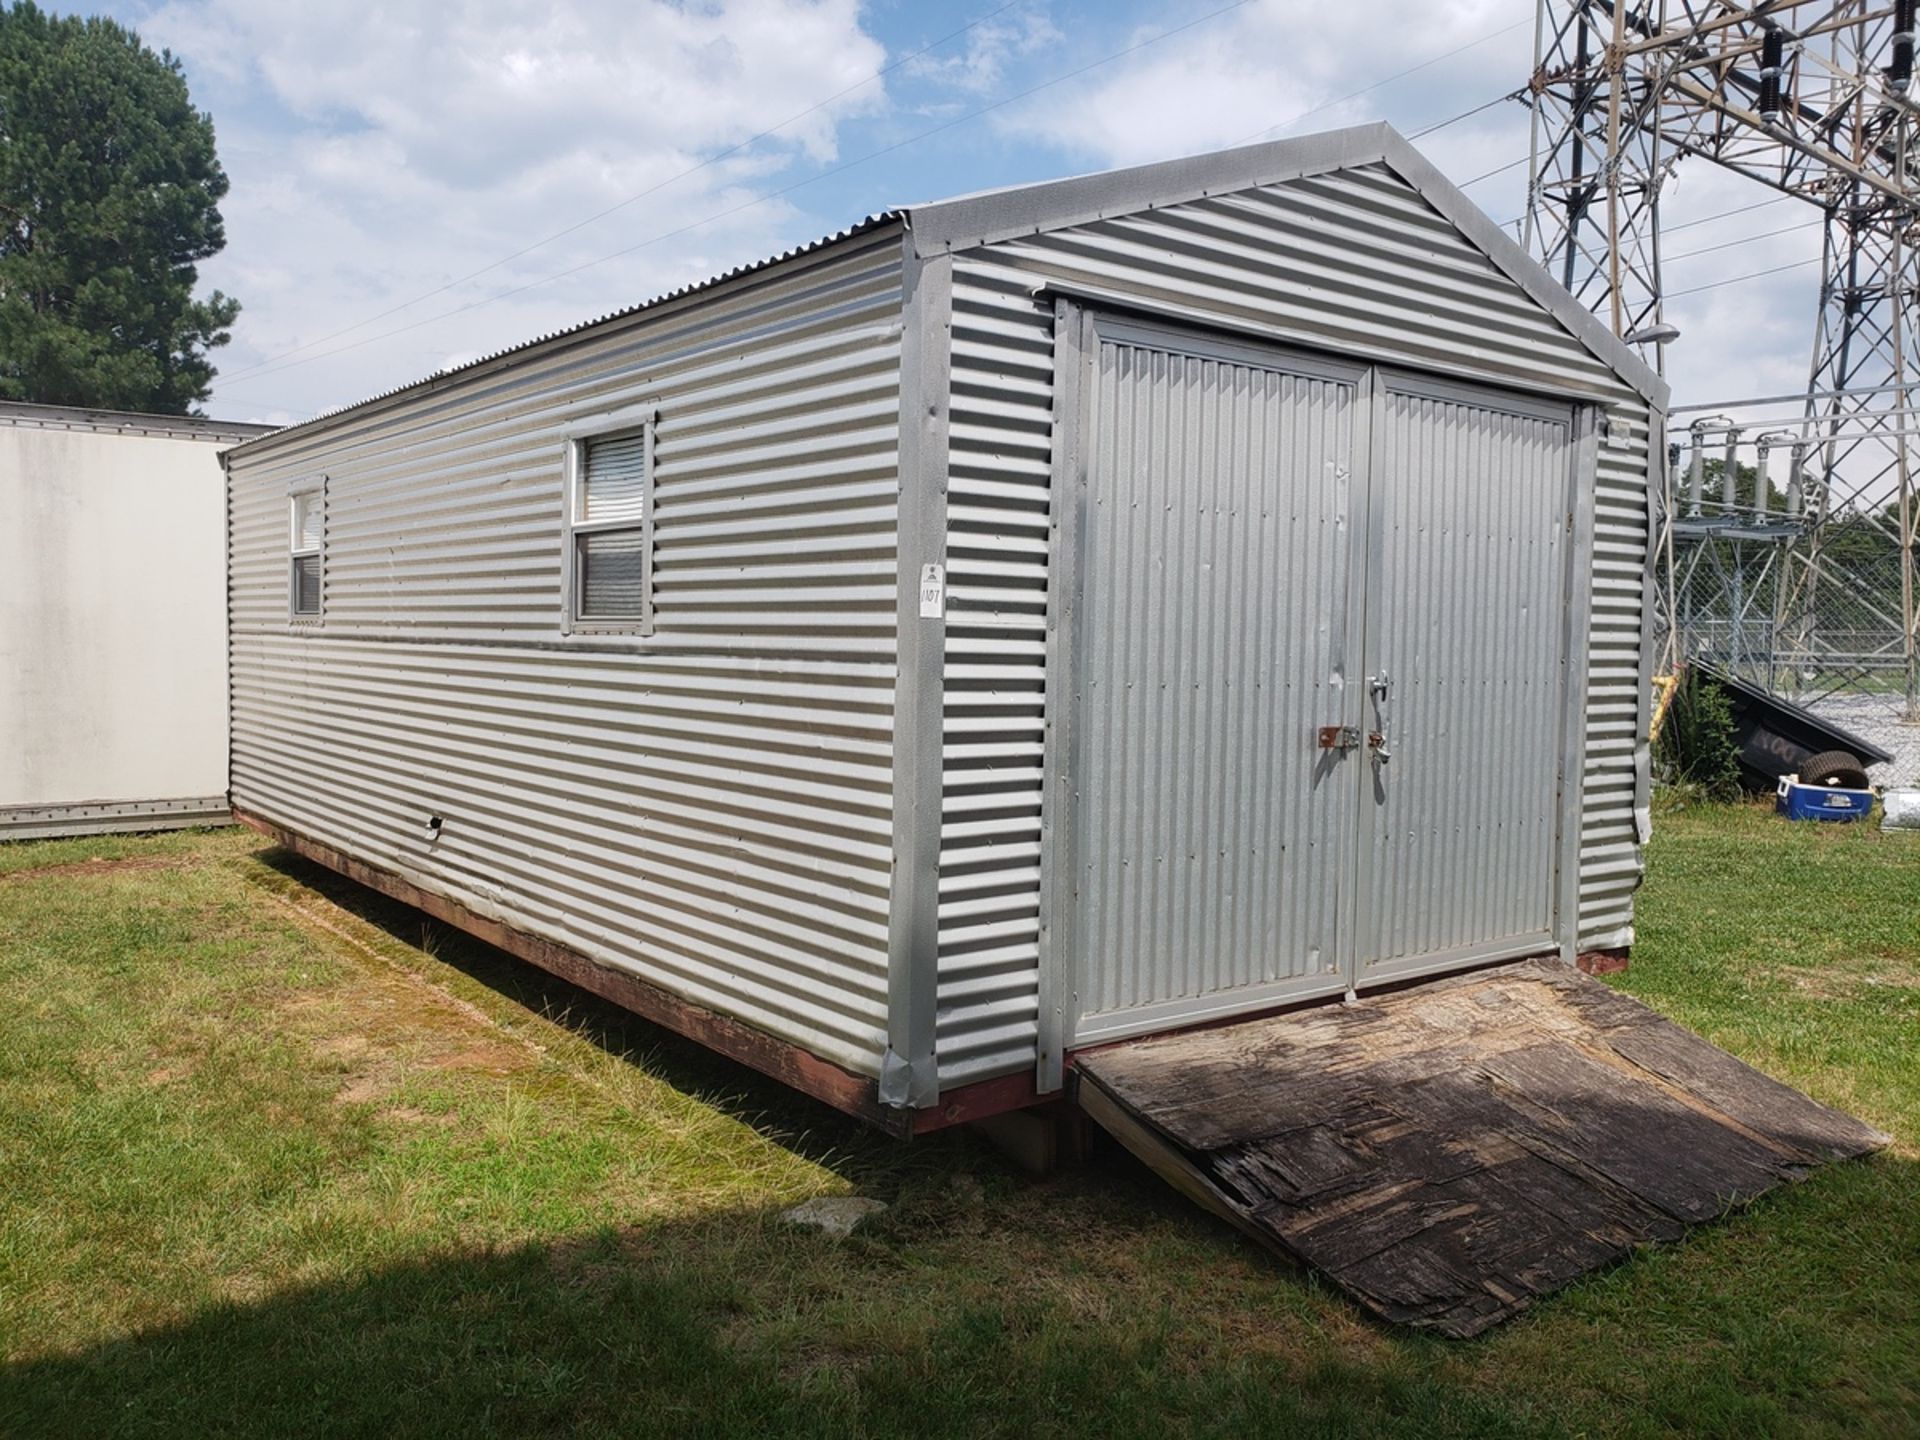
<point x="613" y="575"/>
<point x="306" y="584"/>
<point x="614" y="484"/>
<point x="306" y="522"/>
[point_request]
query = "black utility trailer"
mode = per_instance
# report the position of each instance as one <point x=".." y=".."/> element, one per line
<point x="1777" y="737"/>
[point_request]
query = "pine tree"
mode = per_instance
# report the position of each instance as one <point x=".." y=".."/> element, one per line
<point x="109" y="196"/>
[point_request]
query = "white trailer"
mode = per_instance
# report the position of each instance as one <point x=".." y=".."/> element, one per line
<point x="113" y="620"/>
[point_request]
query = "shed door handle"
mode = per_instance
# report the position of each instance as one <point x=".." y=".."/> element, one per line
<point x="1379" y="687"/>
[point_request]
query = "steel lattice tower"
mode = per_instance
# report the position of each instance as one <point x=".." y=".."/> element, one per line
<point x="1813" y="100"/>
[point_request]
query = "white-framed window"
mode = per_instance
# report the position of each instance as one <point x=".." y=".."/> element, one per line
<point x="609" y="557"/>
<point x="306" y="543"/>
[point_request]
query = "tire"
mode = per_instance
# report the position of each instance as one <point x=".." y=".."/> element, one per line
<point x="1834" y="767"/>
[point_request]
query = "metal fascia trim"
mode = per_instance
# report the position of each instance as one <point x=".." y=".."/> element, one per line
<point x="995" y="215"/>
<point x="1441" y="193"/>
<point x="1649" y="583"/>
<point x="31" y="415"/>
<point x="999" y="215"/>
<point x="1057" y="980"/>
<point x="1119" y="303"/>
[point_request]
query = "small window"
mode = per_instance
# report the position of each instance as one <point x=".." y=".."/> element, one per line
<point x="610" y="531"/>
<point x="307" y="529"/>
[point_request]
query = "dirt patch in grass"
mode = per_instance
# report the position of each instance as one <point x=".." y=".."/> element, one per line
<point x="342" y="1047"/>
<point x="99" y="865"/>
<point x="1822" y="983"/>
<point x="368" y="944"/>
<point x="413" y="1115"/>
<point x="362" y="1089"/>
<point x="488" y="1058"/>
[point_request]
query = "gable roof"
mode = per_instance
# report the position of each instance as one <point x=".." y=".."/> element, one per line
<point x="966" y="221"/>
<point x="1005" y="214"/>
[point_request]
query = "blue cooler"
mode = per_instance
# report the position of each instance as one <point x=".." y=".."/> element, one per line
<point x="1820" y="802"/>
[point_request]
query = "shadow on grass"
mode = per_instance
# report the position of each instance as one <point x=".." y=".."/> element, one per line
<point x="734" y="1324"/>
<point x="737" y="1324"/>
<point x="1097" y="1304"/>
<point x="815" y="1131"/>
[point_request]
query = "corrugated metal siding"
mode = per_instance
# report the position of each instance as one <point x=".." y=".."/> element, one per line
<point x="708" y="807"/>
<point x="1465" y="618"/>
<point x="1000" y="439"/>
<point x="1610" y="860"/>
<point x="1354" y="259"/>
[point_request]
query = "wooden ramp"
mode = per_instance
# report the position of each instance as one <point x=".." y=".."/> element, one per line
<point x="1447" y="1153"/>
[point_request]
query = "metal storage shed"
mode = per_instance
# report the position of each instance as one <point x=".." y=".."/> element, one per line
<point x="113" y="639"/>
<point x="1009" y="625"/>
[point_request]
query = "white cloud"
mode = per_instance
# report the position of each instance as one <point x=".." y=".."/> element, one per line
<point x="378" y="151"/>
<point x="991" y="48"/>
<point x="1221" y="81"/>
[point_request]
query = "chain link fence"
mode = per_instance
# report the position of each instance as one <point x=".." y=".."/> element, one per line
<point x="1816" y="620"/>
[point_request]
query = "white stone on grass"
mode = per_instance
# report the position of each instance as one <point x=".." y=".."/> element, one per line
<point x="834" y="1215"/>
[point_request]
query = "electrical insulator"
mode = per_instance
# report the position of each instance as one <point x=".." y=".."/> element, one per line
<point x="1772" y="51"/>
<point x="1762" y="481"/>
<point x="1697" y="471"/>
<point x="1901" y="70"/>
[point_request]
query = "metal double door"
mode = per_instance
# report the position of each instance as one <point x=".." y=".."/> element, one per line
<point x="1317" y="630"/>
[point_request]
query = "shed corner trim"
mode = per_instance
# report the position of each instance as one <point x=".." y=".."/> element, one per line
<point x="909" y="1075"/>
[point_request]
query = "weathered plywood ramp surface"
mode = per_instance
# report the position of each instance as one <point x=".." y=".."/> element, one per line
<point x="1447" y="1153"/>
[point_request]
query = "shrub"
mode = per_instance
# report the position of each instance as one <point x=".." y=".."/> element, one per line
<point x="1697" y="746"/>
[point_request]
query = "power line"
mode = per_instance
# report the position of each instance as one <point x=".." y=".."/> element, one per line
<point x="274" y="368"/>
<point x="1743" y="240"/>
<point x="1398" y="75"/>
<point x="1497" y="170"/>
<point x="1465" y="115"/>
<point x="1700" y="220"/>
<point x="1725" y="214"/>
<point x="635" y="198"/>
<point x="1794" y="399"/>
<point x="1736" y="279"/>
<point x="1666" y="230"/>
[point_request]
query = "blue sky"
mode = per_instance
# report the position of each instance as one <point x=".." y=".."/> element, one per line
<point x="402" y="173"/>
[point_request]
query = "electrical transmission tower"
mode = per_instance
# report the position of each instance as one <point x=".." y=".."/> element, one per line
<point x="1813" y="100"/>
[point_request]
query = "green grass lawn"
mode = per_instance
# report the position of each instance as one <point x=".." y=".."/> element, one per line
<point x="279" y="1158"/>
